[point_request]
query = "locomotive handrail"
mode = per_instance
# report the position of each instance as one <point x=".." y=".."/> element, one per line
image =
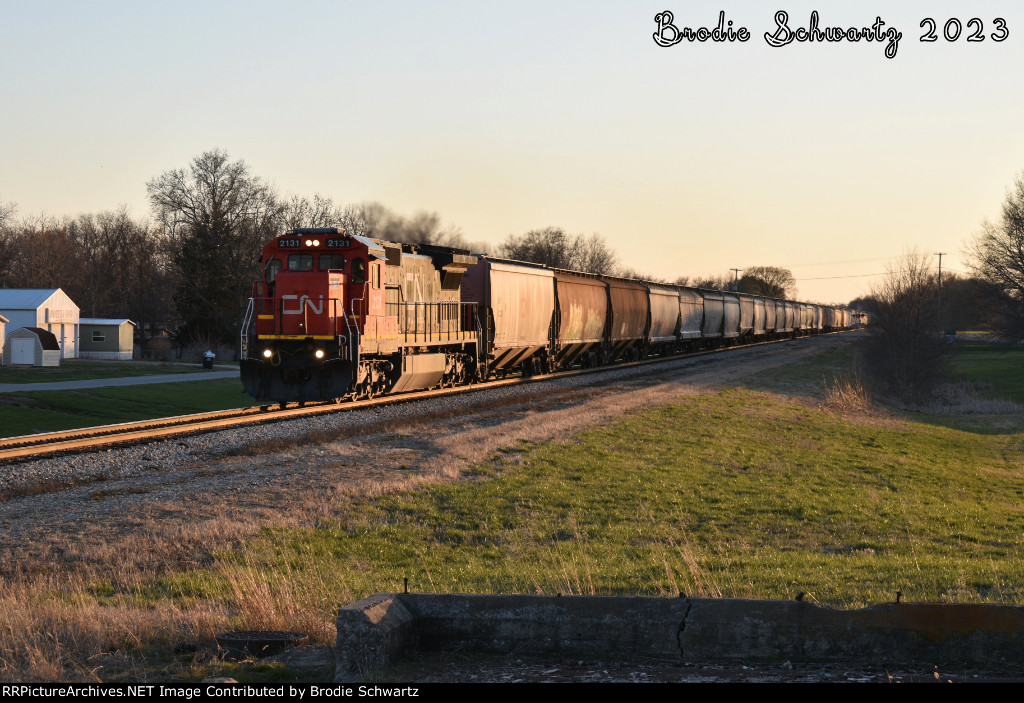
<point x="352" y="306"/>
<point x="353" y="341"/>
<point x="246" y="323"/>
<point x="433" y="321"/>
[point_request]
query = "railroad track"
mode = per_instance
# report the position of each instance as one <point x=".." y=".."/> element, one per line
<point x="97" y="438"/>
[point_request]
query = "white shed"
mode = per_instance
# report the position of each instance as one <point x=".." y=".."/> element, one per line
<point x="46" y="308"/>
<point x="31" y="346"/>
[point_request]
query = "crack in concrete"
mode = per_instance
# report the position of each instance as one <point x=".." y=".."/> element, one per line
<point x="682" y="627"/>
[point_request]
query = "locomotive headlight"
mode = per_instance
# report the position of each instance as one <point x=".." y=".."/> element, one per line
<point x="319" y="354"/>
<point x="267" y="353"/>
<point x="309" y="242"/>
<point x="316" y="242"/>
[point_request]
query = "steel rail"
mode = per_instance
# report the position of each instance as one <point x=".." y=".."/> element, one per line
<point x="27" y="447"/>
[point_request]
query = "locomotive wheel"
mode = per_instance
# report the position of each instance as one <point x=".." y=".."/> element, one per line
<point x="283" y="405"/>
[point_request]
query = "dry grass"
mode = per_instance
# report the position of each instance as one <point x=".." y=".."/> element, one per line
<point x="964" y="398"/>
<point x="169" y="525"/>
<point x="847" y="394"/>
<point x="56" y="630"/>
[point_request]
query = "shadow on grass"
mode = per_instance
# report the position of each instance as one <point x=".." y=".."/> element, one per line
<point x="982" y="392"/>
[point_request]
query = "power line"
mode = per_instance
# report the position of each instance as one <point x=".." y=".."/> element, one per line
<point x="849" y="261"/>
<point x="829" y="278"/>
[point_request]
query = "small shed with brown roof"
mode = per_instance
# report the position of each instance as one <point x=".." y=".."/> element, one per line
<point x="31" y="346"/>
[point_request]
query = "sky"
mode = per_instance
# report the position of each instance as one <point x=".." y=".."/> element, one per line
<point x="827" y="158"/>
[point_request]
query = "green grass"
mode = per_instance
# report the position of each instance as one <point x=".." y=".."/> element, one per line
<point x="84" y="369"/>
<point x="49" y="411"/>
<point x="737" y="494"/>
<point x="993" y="363"/>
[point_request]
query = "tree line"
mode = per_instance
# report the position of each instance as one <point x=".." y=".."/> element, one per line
<point x="915" y="310"/>
<point x="190" y="266"/>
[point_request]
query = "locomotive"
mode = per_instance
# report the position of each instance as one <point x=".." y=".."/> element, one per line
<point x="338" y="316"/>
<point x="342" y="316"/>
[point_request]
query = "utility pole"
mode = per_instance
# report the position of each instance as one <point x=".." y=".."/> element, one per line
<point x="940" y="254"/>
<point x="736" y="280"/>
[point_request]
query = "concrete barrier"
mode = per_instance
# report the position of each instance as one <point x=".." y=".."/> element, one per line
<point x="374" y="632"/>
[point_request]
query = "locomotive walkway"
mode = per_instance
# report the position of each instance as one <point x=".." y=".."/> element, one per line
<point x="122" y="381"/>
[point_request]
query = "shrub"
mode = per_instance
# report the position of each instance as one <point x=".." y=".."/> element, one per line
<point x="905" y="345"/>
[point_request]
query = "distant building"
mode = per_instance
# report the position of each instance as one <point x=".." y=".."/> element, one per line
<point x="154" y="342"/>
<point x="31" y="346"/>
<point x="49" y="309"/>
<point x="105" y="339"/>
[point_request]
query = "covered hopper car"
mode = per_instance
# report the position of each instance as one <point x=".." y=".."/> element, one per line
<point x="338" y="316"/>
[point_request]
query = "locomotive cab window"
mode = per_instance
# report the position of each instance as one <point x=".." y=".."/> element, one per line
<point x="300" y="262"/>
<point x="358" y="272"/>
<point x="273" y="266"/>
<point x="331" y="261"/>
<point x="375" y="269"/>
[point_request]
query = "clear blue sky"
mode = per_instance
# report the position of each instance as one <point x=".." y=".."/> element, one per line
<point x="503" y="117"/>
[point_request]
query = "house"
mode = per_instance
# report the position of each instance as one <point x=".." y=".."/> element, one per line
<point x="49" y="309"/>
<point x="105" y="339"/>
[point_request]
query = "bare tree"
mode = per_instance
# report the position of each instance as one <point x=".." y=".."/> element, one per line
<point x="553" y="247"/>
<point x="550" y="246"/>
<point x="320" y="211"/>
<point x="769" y="281"/>
<point x="967" y="302"/>
<point x="905" y="346"/>
<point x="216" y="217"/>
<point x="623" y="271"/>
<point x="722" y="282"/>
<point x="8" y="244"/>
<point x="997" y="256"/>
<point x="45" y="254"/>
<point x="7" y="211"/>
<point x="592" y="254"/>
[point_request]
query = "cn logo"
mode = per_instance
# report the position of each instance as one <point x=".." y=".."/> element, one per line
<point x="303" y="302"/>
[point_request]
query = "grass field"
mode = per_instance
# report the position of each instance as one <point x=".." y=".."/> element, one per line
<point x="997" y="365"/>
<point x="733" y="493"/>
<point x="49" y="411"/>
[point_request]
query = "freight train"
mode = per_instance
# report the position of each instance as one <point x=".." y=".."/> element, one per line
<point x="338" y="316"/>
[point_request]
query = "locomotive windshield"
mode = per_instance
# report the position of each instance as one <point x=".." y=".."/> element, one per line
<point x="300" y="262"/>
<point x="331" y="261"/>
<point x="358" y="272"/>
